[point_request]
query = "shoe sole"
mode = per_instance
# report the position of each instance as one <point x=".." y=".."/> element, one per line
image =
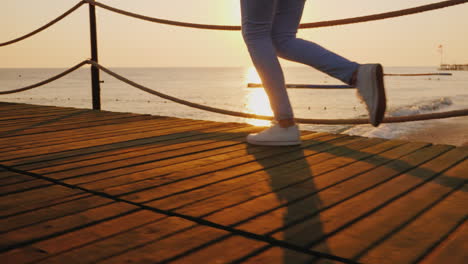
<point x="274" y="143"/>
<point x="380" y="98"/>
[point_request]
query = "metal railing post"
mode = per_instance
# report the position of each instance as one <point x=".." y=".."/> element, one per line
<point x="96" y="87"/>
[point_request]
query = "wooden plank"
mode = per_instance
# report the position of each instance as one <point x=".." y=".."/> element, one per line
<point x="45" y="249"/>
<point x="44" y="230"/>
<point x="23" y="186"/>
<point x="142" y="157"/>
<point x="21" y="116"/>
<point x="185" y="180"/>
<point x="119" y="130"/>
<point x="350" y="196"/>
<point x="78" y="127"/>
<point x="267" y="213"/>
<point x="92" y="132"/>
<point x="169" y="161"/>
<point x="14" y="179"/>
<point x="19" y="113"/>
<point x="454" y="249"/>
<point x="14" y="144"/>
<point x="386" y="186"/>
<point x="30" y="200"/>
<point x="69" y="123"/>
<point x="78" y="117"/>
<point x="356" y="239"/>
<point x="278" y="255"/>
<point x="227" y="250"/>
<point x="185" y="140"/>
<point x="9" y="112"/>
<point x="428" y="230"/>
<point x="255" y="181"/>
<point x="11" y="125"/>
<point x="4" y="173"/>
<point x="132" y="177"/>
<point x="265" y="196"/>
<point x="196" y="156"/>
<point x="196" y="239"/>
<point x="26" y="153"/>
<point x="157" y="138"/>
<point x="41" y="204"/>
<point x="17" y="106"/>
<point x="51" y="212"/>
<point x="34" y="195"/>
<point x="96" y="172"/>
<point x="134" y="238"/>
<point x="297" y="171"/>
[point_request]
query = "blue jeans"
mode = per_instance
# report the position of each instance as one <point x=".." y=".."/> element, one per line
<point x="269" y="29"/>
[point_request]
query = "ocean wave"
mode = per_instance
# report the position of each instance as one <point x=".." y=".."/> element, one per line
<point x="396" y="130"/>
<point x="421" y="107"/>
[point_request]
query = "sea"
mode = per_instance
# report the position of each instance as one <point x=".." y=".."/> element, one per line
<point x="227" y="88"/>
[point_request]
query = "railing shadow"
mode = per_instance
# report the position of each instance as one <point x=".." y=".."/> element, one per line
<point x="46" y="122"/>
<point x="292" y="208"/>
<point x="278" y="179"/>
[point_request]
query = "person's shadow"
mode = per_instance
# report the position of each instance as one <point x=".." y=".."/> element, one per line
<point x="279" y="181"/>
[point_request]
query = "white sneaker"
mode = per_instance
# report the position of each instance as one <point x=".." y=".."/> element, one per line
<point x="370" y="85"/>
<point x="276" y="136"/>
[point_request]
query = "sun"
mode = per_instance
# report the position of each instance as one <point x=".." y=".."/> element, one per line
<point x="252" y="76"/>
<point x="256" y="100"/>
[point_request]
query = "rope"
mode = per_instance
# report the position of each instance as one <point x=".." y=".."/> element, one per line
<point x="374" y="17"/>
<point x="337" y="86"/>
<point x="357" y="121"/>
<point x="403" y="12"/>
<point x="306" y="86"/>
<point x="419" y="74"/>
<point x="58" y="76"/>
<point x="392" y="14"/>
<point x="71" y="10"/>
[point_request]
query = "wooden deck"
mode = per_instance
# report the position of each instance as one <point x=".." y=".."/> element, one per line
<point x="80" y="186"/>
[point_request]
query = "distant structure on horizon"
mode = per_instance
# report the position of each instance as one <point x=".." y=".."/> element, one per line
<point x="449" y="67"/>
<point x="453" y="67"/>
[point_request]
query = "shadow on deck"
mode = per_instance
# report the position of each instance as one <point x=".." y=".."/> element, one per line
<point x="80" y="186"/>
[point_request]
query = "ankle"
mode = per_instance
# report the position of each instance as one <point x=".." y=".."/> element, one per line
<point x="285" y="123"/>
<point x="353" y="80"/>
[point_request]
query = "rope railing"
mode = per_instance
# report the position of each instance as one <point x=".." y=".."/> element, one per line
<point x="357" y="121"/>
<point x="338" y="86"/>
<point x="71" y="10"/>
<point x="419" y="74"/>
<point x="381" y="16"/>
<point x="305" y="86"/>
<point x="51" y="79"/>
<point x="392" y="14"/>
<point x="354" y="121"/>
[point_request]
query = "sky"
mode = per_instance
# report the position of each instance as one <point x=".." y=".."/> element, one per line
<point x="128" y="42"/>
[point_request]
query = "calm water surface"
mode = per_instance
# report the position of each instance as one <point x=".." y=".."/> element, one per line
<point x="226" y="88"/>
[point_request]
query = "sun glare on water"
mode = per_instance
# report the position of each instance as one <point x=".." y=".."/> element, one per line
<point x="252" y="76"/>
<point x="256" y="100"/>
